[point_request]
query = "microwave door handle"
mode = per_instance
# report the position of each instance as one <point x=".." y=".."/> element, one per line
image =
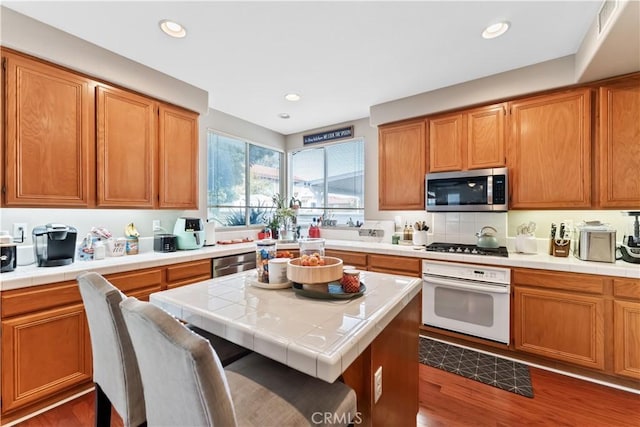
<point x="458" y="285"/>
<point x="490" y="190"/>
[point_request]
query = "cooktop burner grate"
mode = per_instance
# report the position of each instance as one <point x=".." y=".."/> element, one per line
<point x="458" y="248"/>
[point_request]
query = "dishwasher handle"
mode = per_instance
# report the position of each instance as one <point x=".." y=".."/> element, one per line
<point x="456" y="284"/>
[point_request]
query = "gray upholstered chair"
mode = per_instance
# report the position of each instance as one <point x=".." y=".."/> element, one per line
<point x="185" y="384"/>
<point x="115" y="368"/>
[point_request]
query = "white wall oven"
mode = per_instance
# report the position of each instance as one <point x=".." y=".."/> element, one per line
<point x="468" y="299"/>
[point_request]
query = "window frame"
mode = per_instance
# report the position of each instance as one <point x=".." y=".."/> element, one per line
<point x="289" y="170"/>
<point x="283" y="175"/>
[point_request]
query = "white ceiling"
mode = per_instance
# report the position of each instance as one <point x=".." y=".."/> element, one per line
<point x="342" y="57"/>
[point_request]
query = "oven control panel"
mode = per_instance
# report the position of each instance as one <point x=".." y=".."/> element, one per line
<point x="466" y="271"/>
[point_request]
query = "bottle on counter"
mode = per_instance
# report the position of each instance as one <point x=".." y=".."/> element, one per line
<point x="405" y="232"/>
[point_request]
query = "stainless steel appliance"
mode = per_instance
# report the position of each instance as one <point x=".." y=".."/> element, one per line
<point x="595" y="242"/>
<point x="464" y="191"/>
<point x="8" y="254"/>
<point x="463" y="249"/>
<point x="468" y="299"/>
<point x="164" y="243"/>
<point x="189" y="232"/>
<point x="54" y="244"/>
<point x="226" y="265"/>
<point x="630" y="248"/>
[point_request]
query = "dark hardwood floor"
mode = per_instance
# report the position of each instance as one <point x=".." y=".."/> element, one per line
<point x="450" y="400"/>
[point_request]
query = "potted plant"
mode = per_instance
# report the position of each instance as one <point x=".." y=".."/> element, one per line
<point x="283" y="218"/>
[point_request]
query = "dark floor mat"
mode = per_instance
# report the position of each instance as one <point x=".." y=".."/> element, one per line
<point x="485" y="368"/>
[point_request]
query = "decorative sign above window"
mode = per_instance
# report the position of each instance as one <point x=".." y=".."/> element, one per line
<point x="330" y="135"/>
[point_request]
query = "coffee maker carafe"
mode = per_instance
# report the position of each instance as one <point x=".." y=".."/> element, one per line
<point x="54" y="244"/>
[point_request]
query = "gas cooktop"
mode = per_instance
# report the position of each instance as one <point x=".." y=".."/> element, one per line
<point x="456" y="248"/>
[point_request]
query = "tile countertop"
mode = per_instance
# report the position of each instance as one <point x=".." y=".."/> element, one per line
<point x="31" y="275"/>
<point x="319" y="337"/>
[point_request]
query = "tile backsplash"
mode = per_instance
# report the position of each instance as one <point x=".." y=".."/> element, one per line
<point x="461" y="227"/>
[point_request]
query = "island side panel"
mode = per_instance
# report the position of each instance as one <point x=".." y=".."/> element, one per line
<point x="396" y="350"/>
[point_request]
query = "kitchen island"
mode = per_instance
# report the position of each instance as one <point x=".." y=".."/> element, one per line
<point x="325" y="338"/>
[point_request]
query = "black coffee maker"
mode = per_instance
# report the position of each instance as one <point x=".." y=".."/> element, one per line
<point x="54" y="244"/>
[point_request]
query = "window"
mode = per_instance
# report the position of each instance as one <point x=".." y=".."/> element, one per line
<point x="232" y="199"/>
<point x="329" y="182"/>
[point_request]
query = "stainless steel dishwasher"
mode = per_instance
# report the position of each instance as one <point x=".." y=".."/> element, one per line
<point x="226" y="265"/>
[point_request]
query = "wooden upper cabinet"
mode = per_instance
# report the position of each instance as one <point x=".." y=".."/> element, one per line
<point x="49" y="138"/>
<point x="178" y="158"/>
<point x="486" y="137"/>
<point x="550" y="151"/>
<point x="619" y="145"/>
<point x="402" y="156"/>
<point x="471" y="139"/>
<point x="446" y="139"/>
<point x="126" y="149"/>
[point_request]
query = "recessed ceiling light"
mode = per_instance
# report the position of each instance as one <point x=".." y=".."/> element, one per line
<point x="172" y="28"/>
<point x="284" y="115"/>
<point x="495" y="30"/>
<point x="292" y="97"/>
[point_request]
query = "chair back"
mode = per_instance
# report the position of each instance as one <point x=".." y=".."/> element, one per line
<point x="115" y="368"/>
<point x="184" y="382"/>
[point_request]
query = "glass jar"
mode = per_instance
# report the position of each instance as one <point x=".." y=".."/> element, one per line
<point x="311" y="246"/>
<point x="265" y="250"/>
<point x="350" y="281"/>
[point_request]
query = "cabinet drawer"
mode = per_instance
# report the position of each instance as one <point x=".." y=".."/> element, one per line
<point x="135" y="280"/>
<point x="349" y="258"/>
<point x="20" y="301"/>
<point x="189" y="270"/>
<point x="395" y="264"/>
<point x="626" y="288"/>
<point x="557" y="280"/>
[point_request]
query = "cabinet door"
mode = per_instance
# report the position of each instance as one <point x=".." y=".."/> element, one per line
<point x="178" y="158"/>
<point x="485" y="137"/>
<point x="44" y="353"/>
<point x="619" y="145"/>
<point x="402" y="166"/>
<point x="126" y="149"/>
<point x="560" y="326"/>
<point x="446" y="135"/>
<point x="626" y="325"/>
<point x="48" y="135"/>
<point x="550" y="151"/>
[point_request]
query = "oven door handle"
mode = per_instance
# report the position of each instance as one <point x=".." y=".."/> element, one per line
<point x="498" y="289"/>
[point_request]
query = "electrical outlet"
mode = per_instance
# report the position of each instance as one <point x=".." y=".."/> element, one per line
<point x="377" y="384"/>
<point x="20" y="230"/>
<point x="156" y="225"/>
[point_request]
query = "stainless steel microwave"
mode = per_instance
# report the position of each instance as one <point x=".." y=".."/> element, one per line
<point x="477" y="190"/>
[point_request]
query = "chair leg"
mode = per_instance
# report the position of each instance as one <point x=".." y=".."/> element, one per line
<point x="103" y="408"/>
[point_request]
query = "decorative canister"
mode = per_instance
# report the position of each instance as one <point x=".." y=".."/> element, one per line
<point x="350" y="281"/>
<point x="131" y="247"/>
<point x="265" y="250"/>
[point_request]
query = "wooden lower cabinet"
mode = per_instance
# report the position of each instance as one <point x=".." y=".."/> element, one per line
<point x="44" y="353"/>
<point x="46" y="345"/>
<point x="404" y="266"/>
<point x="188" y="272"/>
<point x="626" y="326"/>
<point x="356" y="259"/>
<point x="560" y="325"/>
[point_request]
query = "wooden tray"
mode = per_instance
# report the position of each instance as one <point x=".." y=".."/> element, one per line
<point x="335" y="292"/>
